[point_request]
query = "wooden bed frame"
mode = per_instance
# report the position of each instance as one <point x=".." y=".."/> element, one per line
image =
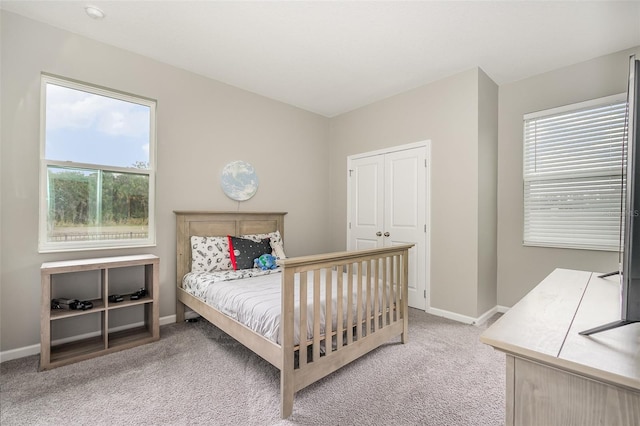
<point x="382" y="319"/>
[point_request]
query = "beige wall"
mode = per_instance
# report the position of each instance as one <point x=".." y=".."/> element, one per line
<point x="445" y="112"/>
<point x="301" y="161"/>
<point x="521" y="268"/>
<point x="488" y="193"/>
<point x="202" y="124"/>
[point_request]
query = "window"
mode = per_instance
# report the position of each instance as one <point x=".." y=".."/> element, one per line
<point x="97" y="173"/>
<point x="573" y="170"/>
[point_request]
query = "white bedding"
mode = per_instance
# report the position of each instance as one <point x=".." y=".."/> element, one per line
<point x="255" y="300"/>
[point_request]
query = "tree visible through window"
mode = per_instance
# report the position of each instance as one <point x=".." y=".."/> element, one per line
<point x="98" y="167"/>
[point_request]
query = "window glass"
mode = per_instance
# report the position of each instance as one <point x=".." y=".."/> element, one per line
<point x="98" y="171"/>
<point x="84" y="127"/>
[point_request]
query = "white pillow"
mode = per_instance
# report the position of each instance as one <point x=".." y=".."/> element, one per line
<point x="210" y="254"/>
<point x="275" y="238"/>
<point x="278" y="250"/>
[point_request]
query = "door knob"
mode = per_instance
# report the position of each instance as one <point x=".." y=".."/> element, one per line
<point x="379" y="234"/>
<point x="386" y="234"/>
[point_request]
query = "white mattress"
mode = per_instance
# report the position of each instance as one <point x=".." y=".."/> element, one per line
<point x="255" y="300"/>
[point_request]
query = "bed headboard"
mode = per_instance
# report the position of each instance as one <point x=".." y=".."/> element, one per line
<point x="219" y="224"/>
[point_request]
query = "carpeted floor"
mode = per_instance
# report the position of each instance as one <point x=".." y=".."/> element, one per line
<point x="197" y="375"/>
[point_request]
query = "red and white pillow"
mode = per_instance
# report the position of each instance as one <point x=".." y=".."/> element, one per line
<point x="210" y="254"/>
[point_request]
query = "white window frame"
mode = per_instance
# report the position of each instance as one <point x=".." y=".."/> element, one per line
<point x="45" y="246"/>
<point x="558" y="212"/>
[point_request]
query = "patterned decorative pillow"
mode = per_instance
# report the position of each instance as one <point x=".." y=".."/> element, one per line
<point x="275" y="239"/>
<point x="243" y="251"/>
<point x="209" y="254"/>
<point x="278" y="250"/>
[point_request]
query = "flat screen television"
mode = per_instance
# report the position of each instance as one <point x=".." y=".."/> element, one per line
<point x="630" y="240"/>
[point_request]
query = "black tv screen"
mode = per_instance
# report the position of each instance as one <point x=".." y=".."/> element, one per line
<point x="631" y="256"/>
<point x="630" y="268"/>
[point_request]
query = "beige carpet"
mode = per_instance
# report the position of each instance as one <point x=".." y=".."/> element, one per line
<point x="197" y="375"/>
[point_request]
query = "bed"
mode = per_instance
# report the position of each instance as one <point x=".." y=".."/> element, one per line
<point x="372" y="310"/>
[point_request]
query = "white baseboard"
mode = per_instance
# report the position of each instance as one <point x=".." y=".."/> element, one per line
<point x="169" y="319"/>
<point x="502" y="309"/>
<point x="19" y="353"/>
<point x="467" y="319"/>
<point x="35" y="349"/>
<point x="450" y="315"/>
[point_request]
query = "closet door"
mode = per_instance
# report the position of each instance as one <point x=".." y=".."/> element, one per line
<point x="404" y="214"/>
<point x="387" y="206"/>
<point x="366" y="179"/>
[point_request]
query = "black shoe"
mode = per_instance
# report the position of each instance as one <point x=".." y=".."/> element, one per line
<point x="139" y="294"/>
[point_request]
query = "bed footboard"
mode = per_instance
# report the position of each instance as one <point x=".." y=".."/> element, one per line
<point x="374" y="284"/>
<point x="373" y="310"/>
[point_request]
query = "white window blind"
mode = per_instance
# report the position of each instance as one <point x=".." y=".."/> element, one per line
<point x="573" y="170"/>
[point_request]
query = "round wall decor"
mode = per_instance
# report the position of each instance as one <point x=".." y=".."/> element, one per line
<point x="239" y="180"/>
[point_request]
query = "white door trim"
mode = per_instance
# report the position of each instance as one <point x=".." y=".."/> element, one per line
<point x="427" y="220"/>
<point x="425" y="143"/>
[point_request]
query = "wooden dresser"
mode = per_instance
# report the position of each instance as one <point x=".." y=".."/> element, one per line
<point x="556" y="376"/>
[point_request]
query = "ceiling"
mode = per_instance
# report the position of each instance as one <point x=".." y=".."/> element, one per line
<point x="330" y="57"/>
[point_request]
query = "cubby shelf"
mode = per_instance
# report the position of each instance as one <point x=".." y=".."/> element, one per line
<point x="109" y="338"/>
